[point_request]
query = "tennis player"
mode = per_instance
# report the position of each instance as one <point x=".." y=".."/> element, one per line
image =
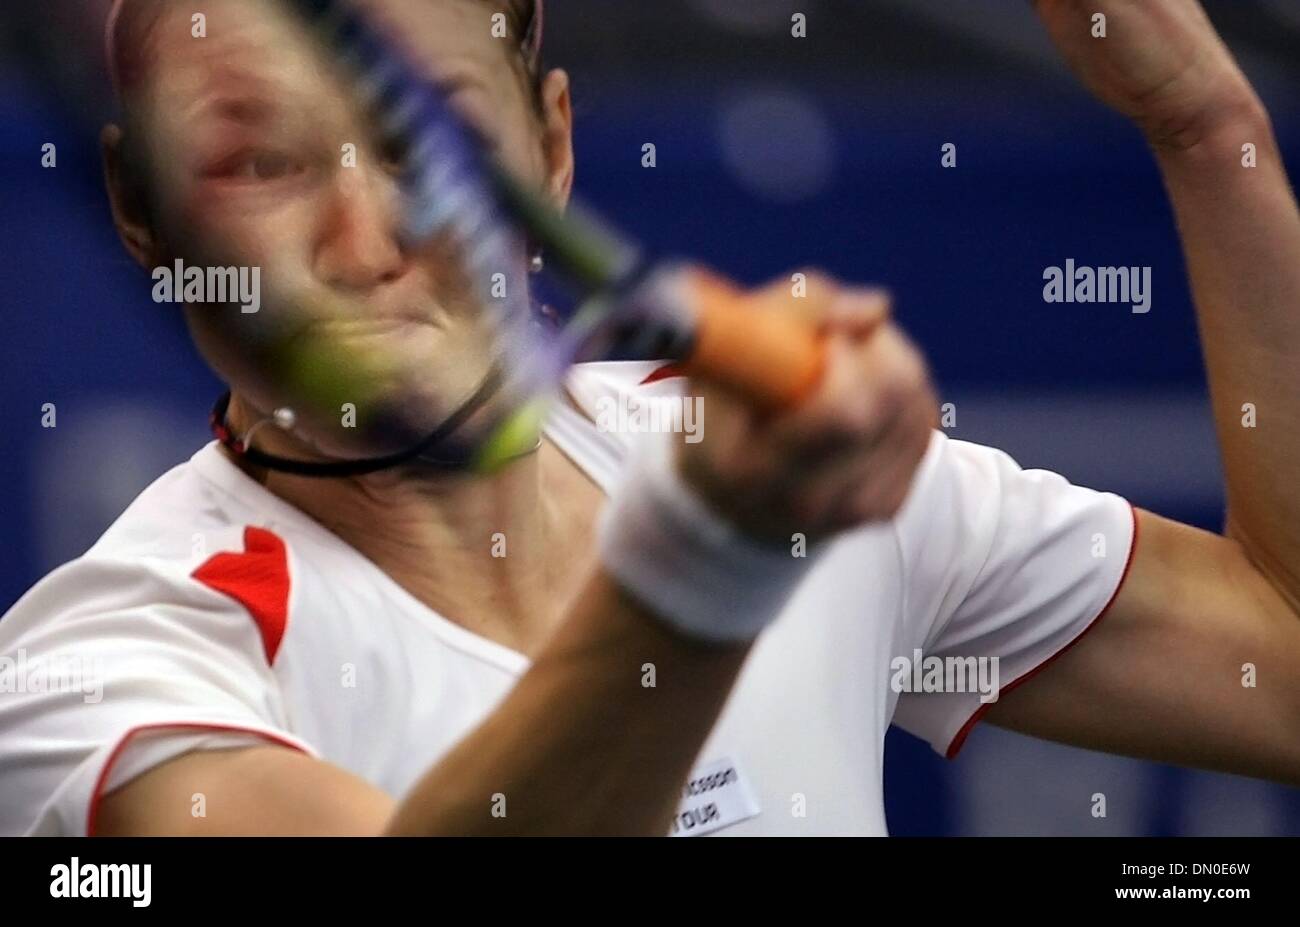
<point x="658" y="636"/>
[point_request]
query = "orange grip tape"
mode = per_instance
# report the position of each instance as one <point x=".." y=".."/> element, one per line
<point x="774" y="358"/>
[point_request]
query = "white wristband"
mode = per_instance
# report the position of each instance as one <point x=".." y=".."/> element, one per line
<point x="694" y="570"/>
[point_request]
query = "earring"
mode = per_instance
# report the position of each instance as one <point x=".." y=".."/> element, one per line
<point x="537" y="263"/>
<point x="283" y="418"/>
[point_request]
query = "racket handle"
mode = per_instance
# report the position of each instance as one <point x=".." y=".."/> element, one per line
<point x="773" y="358"/>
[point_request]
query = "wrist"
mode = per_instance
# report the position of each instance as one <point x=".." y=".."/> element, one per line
<point x="686" y="563"/>
<point x="1218" y="132"/>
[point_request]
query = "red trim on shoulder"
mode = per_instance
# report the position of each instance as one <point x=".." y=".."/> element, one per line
<point x="666" y="372"/>
<point x="258" y="579"/>
<point x="974" y="719"/>
<point x="97" y="795"/>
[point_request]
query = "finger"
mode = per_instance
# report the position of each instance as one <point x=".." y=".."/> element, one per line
<point x="857" y="312"/>
<point x="864" y="384"/>
<point x="805" y="294"/>
<point x="871" y="471"/>
<point x="883" y="496"/>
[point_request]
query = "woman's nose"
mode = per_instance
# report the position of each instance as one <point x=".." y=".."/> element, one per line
<point x="358" y="246"/>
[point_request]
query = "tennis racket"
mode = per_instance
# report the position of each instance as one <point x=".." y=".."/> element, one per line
<point x="620" y="303"/>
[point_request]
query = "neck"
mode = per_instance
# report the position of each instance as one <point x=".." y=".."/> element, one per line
<point x="494" y="553"/>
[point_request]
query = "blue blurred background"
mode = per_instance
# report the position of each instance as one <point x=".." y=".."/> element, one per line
<point x="772" y="153"/>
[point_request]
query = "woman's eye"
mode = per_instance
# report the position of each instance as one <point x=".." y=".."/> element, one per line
<point x="392" y="155"/>
<point x="260" y="166"/>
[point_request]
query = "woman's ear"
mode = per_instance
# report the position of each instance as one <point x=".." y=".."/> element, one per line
<point x="130" y="215"/>
<point x="557" y="136"/>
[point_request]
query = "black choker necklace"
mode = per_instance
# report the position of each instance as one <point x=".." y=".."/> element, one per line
<point x="438" y="450"/>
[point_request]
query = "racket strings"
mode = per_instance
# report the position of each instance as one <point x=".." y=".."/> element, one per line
<point x="446" y="194"/>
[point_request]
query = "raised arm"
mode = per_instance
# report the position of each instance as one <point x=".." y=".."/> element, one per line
<point x="1162" y="64"/>
<point x="1198" y="659"/>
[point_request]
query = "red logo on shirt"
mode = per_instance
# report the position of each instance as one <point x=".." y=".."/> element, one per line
<point x="258" y="579"/>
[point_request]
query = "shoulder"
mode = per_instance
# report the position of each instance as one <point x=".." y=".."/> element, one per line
<point x="170" y="623"/>
<point x="195" y="550"/>
<point x="591" y="385"/>
<point x="607" y="404"/>
<point x="974" y="490"/>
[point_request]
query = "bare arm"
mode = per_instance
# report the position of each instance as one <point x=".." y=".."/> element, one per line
<point x="579" y="746"/>
<point x="1195" y="663"/>
<point x="1241" y="234"/>
<point x="1198" y="660"/>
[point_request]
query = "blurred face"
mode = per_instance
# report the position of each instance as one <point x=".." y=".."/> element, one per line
<point x="261" y="159"/>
